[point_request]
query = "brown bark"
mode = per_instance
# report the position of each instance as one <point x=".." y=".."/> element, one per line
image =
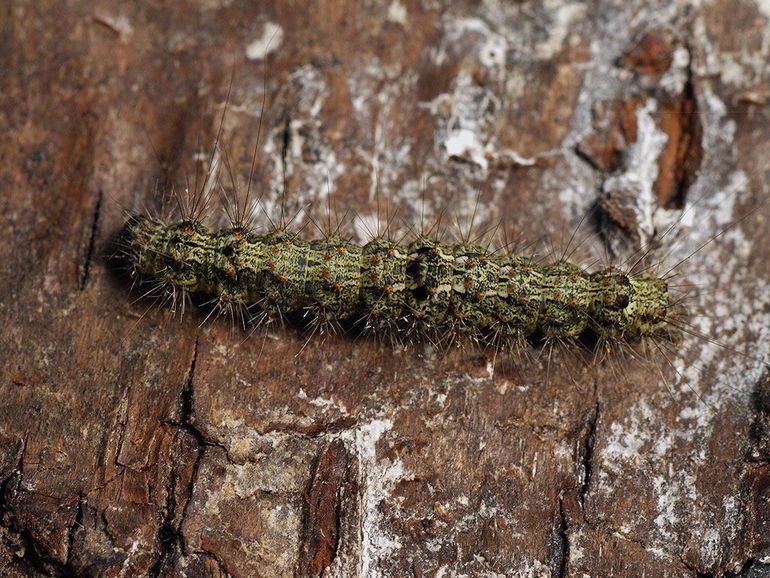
<point x="134" y="445"/>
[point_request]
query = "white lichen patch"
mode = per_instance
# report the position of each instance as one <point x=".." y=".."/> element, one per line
<point x="564" y="17"/>
<point x="625" y="442"/>
<point x="270" y="41"/>
<point x="397" y="13"/>
<point x="379" y="476"/>
<point x="464" y="143"/>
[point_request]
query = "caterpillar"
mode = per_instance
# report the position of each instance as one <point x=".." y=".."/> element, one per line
<point x="397" y="290"/>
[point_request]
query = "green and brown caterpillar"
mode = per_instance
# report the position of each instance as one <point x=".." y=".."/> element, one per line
<point x="395" y="290"/>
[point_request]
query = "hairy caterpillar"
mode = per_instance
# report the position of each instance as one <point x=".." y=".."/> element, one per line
<point x="422" y="288"/>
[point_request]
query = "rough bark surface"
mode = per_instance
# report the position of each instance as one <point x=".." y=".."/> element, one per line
<point x="134" y="445"/>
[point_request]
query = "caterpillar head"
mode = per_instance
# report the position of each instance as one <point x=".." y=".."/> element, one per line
<point x="163" y="252"/>
<point x="630" y="306"/>
<point x="649" y="307"/>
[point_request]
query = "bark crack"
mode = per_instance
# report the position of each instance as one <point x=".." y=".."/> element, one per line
<point x="587" y="455"/>
<point x="285" y="145"/>
<point x="77" y="523"/>
<point x="169" y="535"/>
<point x="85" y="269"/>
<point x="759" y="434"/>
<point x="186" y="398"/>
<point x="558" y="547"/>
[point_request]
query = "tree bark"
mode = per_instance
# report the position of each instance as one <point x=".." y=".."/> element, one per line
<point x="132" y="444"/>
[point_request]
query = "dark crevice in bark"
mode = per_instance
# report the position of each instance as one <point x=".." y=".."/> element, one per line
<point x="759" y="434"/>
<point x="587" y="159"/>
<point x="563" y="520"/>
<point x="558" y="543"/>
<point x="564" y="566"/>
<point x="186" y="408"/>
<point x="186" y="399"/>
<point x="77" y="523"/>
<point x="587" y="455"/>
<point x="285" y="145"/>
<point x="85" y="269"/>
<point x="186" y="417"/>
<point x="169" y="531"/>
